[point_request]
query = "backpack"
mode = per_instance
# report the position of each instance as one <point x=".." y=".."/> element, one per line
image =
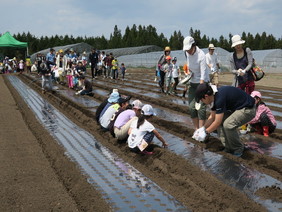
<point x="257" y="72"/>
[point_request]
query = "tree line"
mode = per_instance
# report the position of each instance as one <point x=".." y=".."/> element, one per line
<point x="146" y="35"/>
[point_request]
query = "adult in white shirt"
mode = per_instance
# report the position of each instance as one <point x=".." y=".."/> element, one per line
<point x="196" y="61"/>
<point x="212" y="62"/>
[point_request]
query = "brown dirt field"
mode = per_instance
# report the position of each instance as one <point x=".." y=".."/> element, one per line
<point x="196" y="189"/>
<point x="35" y="175"/>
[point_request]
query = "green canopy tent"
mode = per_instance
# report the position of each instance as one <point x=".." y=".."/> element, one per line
<point x="7" y="40"/>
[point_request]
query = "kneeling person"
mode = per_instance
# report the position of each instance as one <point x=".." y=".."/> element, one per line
<point x="86" y="86"/>
<point x="124" y="119"/>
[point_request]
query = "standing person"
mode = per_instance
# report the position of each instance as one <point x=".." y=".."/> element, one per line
<point x="168" y="75"/>
<point x="108" y="65"/>
<point x="175" y="74"/>
<point x="142" y="132"/>
<point x="28" y="64"/>
<point x="61" y="63"/>
<point x="115" y="68"/>
<point x="196" y="61"/>
<point x="50" y="59"/>
<point x="101" y="64"/>
<point x="21" y="66"/>
<point x="122" y="70"/>
<point x="264" y="121"/>
<point x="160" y="64"/>
<point x="212" y="62"/>
<point x="39" y="60"/>
<point x="230" y="109"/>
<point x="241" y="62"/>
<point x="93" y="59"/>
<point x="46" y="77"/>
<point x="83" y="59"/>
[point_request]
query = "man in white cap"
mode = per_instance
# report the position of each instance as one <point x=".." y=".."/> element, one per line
<point x="212" y="62"/>
<point x="196" y="61"/>
<point x="124" y="119"/>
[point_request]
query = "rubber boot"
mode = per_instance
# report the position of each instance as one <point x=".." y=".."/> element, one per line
<point x="265" y="131"/>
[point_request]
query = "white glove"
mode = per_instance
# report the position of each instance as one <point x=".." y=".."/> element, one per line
<point x="212" y="70"/>
<point x="196" y="133"/>
<point x="202" y="136"/>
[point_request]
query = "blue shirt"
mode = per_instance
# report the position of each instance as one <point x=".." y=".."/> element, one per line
<point x="50" y="57"/>
<point x="229" y="98"/>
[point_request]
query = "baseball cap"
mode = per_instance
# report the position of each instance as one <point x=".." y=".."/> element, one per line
<point x="187" y="43"/>
<point x="201" y="90"/>
<point x="124" y="99"/>
<point x="256" y="94"/>
<point x="148" y="110"/>
<point x="137" y="104"/>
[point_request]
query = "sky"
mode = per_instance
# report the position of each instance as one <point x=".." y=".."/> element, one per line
<point x="97" y="18"/>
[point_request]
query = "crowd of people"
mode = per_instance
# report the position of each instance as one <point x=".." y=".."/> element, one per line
<point x="231" y="107"/>
<point x="69" y="67"/>
<point x="14" y="65"/>
<point x="128" y="122"/>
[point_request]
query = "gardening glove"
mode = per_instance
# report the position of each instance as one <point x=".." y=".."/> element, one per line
<point x="202" y="136"/>
<point x="196" y="133"/>
<point x="213" y="70"/>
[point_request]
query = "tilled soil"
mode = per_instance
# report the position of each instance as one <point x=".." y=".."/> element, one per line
<point x="196" y="189"/>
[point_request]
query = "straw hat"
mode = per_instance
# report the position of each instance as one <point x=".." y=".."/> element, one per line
<point x="211" y="46"/>
<point x="167" y="49"/>
<point x="236" y="40"/>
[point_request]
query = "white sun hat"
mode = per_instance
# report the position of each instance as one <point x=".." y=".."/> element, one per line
<point x="236" y="40"/>
<point x="187" y="43"/>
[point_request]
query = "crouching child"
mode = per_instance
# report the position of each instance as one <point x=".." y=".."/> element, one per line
<point x="142" y="132"/>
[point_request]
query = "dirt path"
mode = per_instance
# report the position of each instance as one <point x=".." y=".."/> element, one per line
<point x="28" y="183"/>
<point x="32" y="164"/>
